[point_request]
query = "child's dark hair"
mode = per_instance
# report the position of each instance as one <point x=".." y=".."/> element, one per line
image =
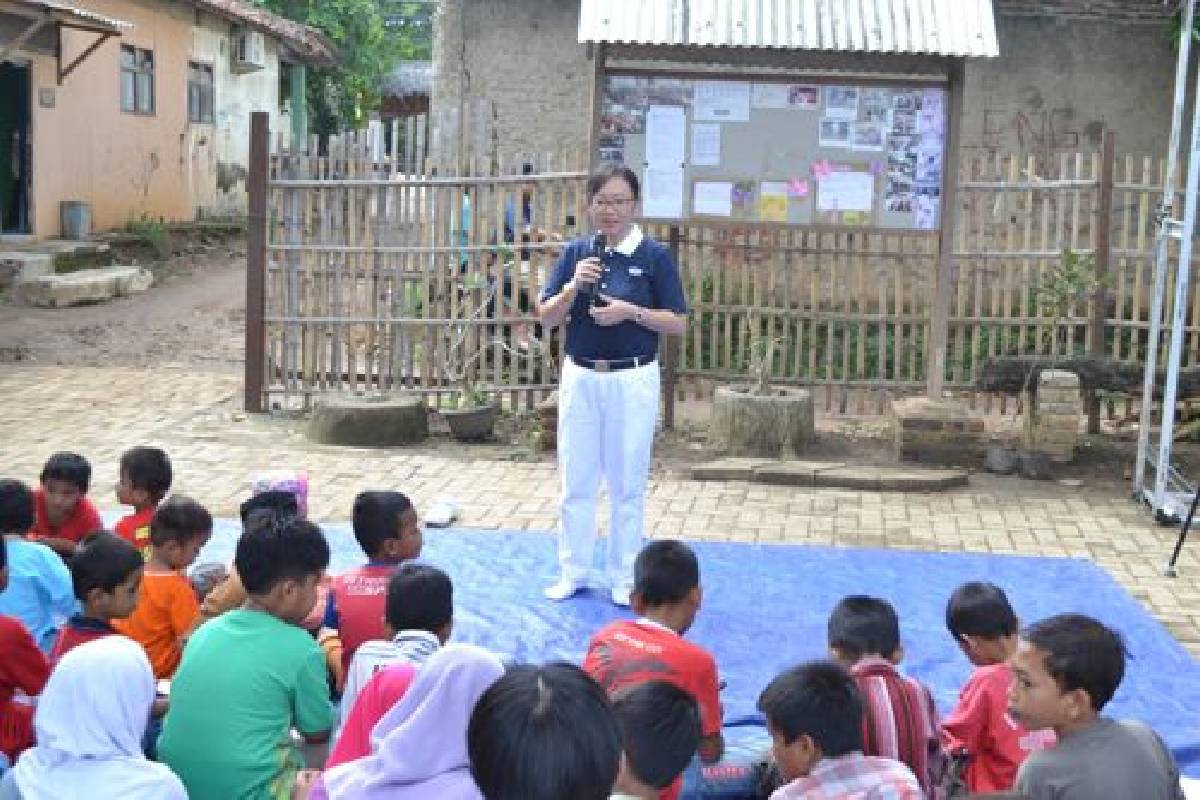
<point x="982" y="609"/>
<point x="16" y="507"/>
<point x="1080" y="653"/>
<point x="377" y="518"/>
<point x="660" y="730"/>
<point x="70" y="468"/>
<point x="864" y="626"/>
<point x="179" y="519"/>
<point x="419" y="597"/>
<point x="148" y="468"/>
<point x="817" y="699"/>
<point x="277" y="502"/>
<point x="275" y="549"/>
<point x="544" y="733"/>
<point x="103" y="561"/>
<point x="3" y="552"/>
<point x="664" y="572"/>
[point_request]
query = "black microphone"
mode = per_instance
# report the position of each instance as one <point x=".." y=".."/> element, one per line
<point x="597" y="250"/>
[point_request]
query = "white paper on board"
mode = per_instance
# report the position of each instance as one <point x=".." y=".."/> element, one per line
<point x="714" y="198"/>
<point x="721" y="101"/>
<point x="706" y="144"/>
<point x="846" y="191"/>
<point x="665" y="132"/>
<point x="662" y="192"/>
<point x="769" y="95"/>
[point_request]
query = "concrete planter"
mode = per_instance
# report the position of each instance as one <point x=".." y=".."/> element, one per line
<point x="770" y="425"/>
<point x="369" y="421"/>
<point x="472" y="424"/>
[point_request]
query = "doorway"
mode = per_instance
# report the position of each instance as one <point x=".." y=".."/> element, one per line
<point x="15" y="148"/>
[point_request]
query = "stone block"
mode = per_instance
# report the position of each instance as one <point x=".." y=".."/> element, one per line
<point x="83" y="287"/>
<point x="940" y="432"/>
<point x="861" y="478"/>
<point x="18" y="266"/>
<point x="369" y="421"/>
<point x="1058" y="378"/>
<point x="793" y="473"/>
<point x="898" y="479"/>
<point x="728" y="469"/>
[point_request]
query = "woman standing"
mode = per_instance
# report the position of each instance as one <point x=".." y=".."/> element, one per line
<point x="617" y="291"/>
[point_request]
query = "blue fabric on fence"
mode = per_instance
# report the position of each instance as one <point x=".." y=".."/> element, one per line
<point x="765" y="608"/>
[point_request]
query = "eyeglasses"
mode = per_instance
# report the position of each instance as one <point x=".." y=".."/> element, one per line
<point x="612" y="203"/>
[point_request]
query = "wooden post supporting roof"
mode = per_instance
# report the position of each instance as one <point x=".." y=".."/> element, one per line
<point x="939" y="322"/>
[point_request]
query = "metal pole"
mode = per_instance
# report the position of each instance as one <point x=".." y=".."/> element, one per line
<point x="1160" y="255"/>
<point x="1178" y="312"/>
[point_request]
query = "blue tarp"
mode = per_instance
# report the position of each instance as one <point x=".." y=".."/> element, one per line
<point x="765" y="608"/>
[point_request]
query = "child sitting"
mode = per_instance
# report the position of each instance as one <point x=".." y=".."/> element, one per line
<point x="660" y="731"/>
<point x="984" y="626"/>
<point x="544" y="733"/>
<point x="251" y="675"/>
<point x="89" y="725"/>
<point x="39" y="586"/>
<point x="417" y="621"/>
<point x="145" y="481"/>
<point x="1066" y="668"/>
<point x="106" y="573"/>
<point x="63" y="516"/>
<point x="388" y="530"/>
<point x="167" y="611"/>
<point x="899" y="718"/>
<point x="23" y="669"/>
<point x="666" y="596"/>
<point x="814" y="715"/>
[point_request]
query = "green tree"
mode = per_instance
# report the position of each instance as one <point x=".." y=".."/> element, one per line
<point x="371" y="36"/>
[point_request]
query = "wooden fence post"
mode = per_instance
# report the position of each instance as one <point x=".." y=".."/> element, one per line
<point x="669" y="347"/>
<point x="256" y="262"/>
<point x="939" y="323"/>
<point x="1096" y="327"/>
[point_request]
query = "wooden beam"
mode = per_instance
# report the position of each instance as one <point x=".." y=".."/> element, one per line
<point x="939" y="323"/>
<point x="1103" y="245"/>
<point x="63" y="73"/>
<point x="598" y="76"/>
<point x="256" y="262"/>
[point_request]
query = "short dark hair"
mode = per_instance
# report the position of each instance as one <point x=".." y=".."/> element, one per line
<point x="179" y="519"/>
<point x="817" y="699"/>
<point x="274" y="501"/>
<point x="275" y="549"/>
<point x="16" y="507"/>
<point x="71" y="468"/>
<point x="419" y="597"/>
<point x="544" y="733"/>
<point x="664" y="572"/>
<point x="103" y="561"/>
<point x="148" y="468"/>
<point x="864" y="626"/>
<point x="982" y="609"/>
<point x="3" y="552"/>
<point x="660" y="729"/>
<point x="377" y="517"/>
<point x="1081" y="653"/>
<point x="597" y="180"/>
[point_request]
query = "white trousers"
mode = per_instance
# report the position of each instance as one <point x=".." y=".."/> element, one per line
<point x="605" y="428"/>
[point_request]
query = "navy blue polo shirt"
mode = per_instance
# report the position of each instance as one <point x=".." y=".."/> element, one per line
<point x="646" y="277"/>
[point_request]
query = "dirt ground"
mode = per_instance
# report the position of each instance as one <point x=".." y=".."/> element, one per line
<point x="194" y="318"/>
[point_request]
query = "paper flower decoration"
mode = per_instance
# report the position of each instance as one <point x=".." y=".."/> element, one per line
<point x="821" y="169"/>
<point x="797" y="187"/>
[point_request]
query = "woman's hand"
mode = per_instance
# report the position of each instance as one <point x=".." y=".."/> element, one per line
<point x="613" y="312"/>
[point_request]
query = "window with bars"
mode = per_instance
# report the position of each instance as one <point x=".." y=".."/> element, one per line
<point x="200" y="92"/>
<point x="137" y="80"/>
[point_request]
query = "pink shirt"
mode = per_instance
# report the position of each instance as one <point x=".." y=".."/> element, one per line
<point x="377" y="697"/>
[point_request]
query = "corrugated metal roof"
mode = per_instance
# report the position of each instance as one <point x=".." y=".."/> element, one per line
<point x="937" y="27"/>
<point x="116" y="25"/>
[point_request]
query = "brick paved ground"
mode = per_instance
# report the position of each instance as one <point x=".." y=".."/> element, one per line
<point x="215" y="449"/>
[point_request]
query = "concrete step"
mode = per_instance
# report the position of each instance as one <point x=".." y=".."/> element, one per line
<point x="16" y="265"/>
<point x="829" y="474"/>
<point x="83" y="287"/>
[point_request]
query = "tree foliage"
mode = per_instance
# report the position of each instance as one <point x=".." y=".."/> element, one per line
<point x="371" y="36"/>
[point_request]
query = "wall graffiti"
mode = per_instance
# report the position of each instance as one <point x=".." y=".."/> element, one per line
<point x="1041" y="130"/>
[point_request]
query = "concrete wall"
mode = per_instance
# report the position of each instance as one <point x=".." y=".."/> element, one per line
<point x="1061" y="81"/>
<point x="523" y="60"/>
<point x="220" y="153"/>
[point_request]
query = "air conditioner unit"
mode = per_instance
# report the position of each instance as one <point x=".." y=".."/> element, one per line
<point x="249" y="50"/>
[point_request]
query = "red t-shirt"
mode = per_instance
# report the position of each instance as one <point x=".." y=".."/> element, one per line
<point x="627" y="652"/>
<point x="83" y="520"/>
<point x="359" y="598"/>
<point x="135" y="529"/>
<point x="997" y="743"/>
<point x="78" y="630"/>
<point x="22" y="667"/>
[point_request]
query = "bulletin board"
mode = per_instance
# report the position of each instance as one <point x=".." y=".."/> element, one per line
<point x="778" y="151"/>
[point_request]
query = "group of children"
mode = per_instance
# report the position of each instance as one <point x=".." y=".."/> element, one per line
<point x="112" y="656"/>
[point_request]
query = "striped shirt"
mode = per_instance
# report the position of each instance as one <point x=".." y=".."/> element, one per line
<point x="900" y="721"/>
<point x="853" y="777"/>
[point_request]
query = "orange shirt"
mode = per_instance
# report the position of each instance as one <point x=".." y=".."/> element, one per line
<point x="135" y="529"/>
<point x="167" y="610"/>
